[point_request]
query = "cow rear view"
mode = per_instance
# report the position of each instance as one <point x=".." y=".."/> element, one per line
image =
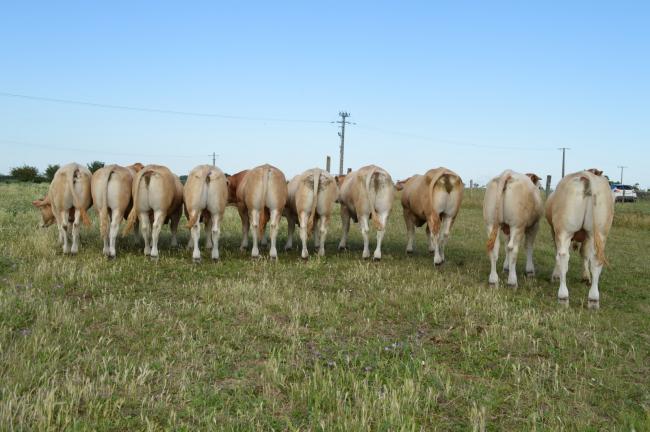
<point x="262" y="188"/>
<point x="432" y="199"/>
<point x="366" y="194"/>
<point x="310" y="203"/>
<point x="157" y="197"/>
<point x="581" y="209"/>
<point x="205" y="196"/>
<point x="66" y="203"/>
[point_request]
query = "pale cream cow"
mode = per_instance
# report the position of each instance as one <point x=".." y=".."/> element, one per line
<point x="512" y="204"/>
<point x="311" y="199"/>
<point x="366" y="194"/>
<point x="157" y="196"/>
<point x="66" y="203"/>
<point x="581" y="209"/>
<point x="205" y="195"/>
<point x="111" y="190"/>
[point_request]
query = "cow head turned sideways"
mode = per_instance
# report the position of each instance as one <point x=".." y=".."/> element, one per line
<point x="47" y="216"/>
<point x="399" y="186"/>
<point x="534" y="178"/>
<point x="595" y="171"/>
<point x="340" y="179"/>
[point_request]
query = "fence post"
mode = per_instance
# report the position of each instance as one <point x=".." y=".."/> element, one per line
<point x="548" y="185"/>
<point x="328" y="164"/>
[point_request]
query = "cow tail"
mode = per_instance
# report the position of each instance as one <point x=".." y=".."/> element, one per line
<point x="133" y="216"/>
<point x="194" y="217"/>
<point x="314" y="205"/>
<point x="599" y="244"/>
<point x="103" y="211"/>
<point x="498" y="209"/>
<point x="75" y="198"/>
<point x="265" y="188"/>
<point x="434" y="217"/>
<point x="371" y="192"/>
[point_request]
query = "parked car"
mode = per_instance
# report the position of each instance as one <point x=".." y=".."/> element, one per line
<point x="623" y="193"/>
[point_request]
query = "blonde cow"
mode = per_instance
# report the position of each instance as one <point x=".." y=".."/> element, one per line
<point x="512" y="204"/>
<point x="157" y="196"/>
<point x="310" y="203"/>
<point x="433" y="198"/>
<point x="366" y="194"/>
<point x="205" y="195"/>
<point x="262" y="188"/>
<point x="66" y="203"/>
<point x="111" y="191"/>
<point x="581" y="209"/>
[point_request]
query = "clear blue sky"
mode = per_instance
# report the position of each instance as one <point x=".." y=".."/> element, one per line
<point x="533" y="76"/>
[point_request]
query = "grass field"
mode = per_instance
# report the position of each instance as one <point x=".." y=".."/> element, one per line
<point x="328" y="344"/>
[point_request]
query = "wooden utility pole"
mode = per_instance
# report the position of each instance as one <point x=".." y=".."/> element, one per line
<point x="564" y="149"/>
<point x="548" y="185"/>
<point x="328" y="164"/>
<point x="344" y="115"/>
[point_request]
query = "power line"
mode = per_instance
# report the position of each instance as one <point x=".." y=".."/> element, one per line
<point x="71" y="149"/>
<point x="156" y="110"/>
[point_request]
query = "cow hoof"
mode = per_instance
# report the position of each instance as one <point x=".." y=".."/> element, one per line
<point x="586" y="280"/>
<point x="110" y="257"/>
<point x="153" y="258"/>
<point x="409" y="252"/>
<point x="215" y="260"/>
<point x="564" y="302"/>
<point x="512" y="285"/>
<point x="196" y="260"/>
<point x="438" y="264"/>
<point x="343" y="248"/>
<point x="593" y="304"/>
<point x="376" y="259"/>
<point x="530" y="274"/>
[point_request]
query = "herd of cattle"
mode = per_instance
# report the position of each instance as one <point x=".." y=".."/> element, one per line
<point x="580" y="211"/>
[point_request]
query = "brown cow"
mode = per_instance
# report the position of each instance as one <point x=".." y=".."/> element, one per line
<point x="67" y="202"/>
<point x="311" y="199"/>
<point x="262" y="188"/>
<point x="366" y="194"/>
<point x="581" y="209"/>
<point x="158" y="191"/>
<point x="111" y="191"/>
<point x="513" y="203"/>
<point x="433" y="198"/>
<point x="233" y="183"/>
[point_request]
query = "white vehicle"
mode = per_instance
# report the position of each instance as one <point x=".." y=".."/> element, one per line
<point x="623" y="193"/>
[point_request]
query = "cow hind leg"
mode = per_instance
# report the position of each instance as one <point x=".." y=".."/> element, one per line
<point x="563" y="242"/>
<point x="158" y="221"/>
<point x="494" y="257"/>
<point x="320" y="243"/>
<point x="173" y="225"/>
<point x="63" y="233"/>
<point x="447" y="223"/>
<point x="145" y="230"/>
<point x="585" y="254"/>
<point x="304" y="220"/>
<point x="432" y="246"/>
<point x="255" y="221"/>
<point x="76" y="225"/>
<point x="596" y="269"/>
<point x="275" y="227"/>
<point x="383" y="218"/>
<point x="113" y="231"/>
<point x="195" y="234"/>
<point x="345" y="221"/>
<point x="105" y="237"/>
<point x="365" y="229"/>
<point x="209" y="220"/>
<point x="291" y="228"/>
<point x="531" y="234"/>
<point x="318" y="224"/>
<point x="513" y="251"/>
<point x="245" y="226"/>
<point x="215" y="234"/>
<point x="506" y="259"/>
<point x="410" y="231"/>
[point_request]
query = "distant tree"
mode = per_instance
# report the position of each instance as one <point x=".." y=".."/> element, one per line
<point x="95" y="165"/>
<point x="50" y="171"/>
<point x="25" y="173"/>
